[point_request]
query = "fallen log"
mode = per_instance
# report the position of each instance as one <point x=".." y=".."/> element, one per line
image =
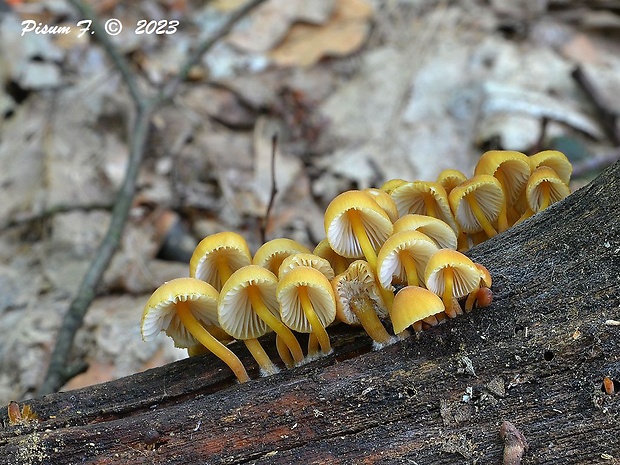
<point x="537" y="358"/>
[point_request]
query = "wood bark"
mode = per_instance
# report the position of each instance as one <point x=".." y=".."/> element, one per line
<point x="536" y="357"/>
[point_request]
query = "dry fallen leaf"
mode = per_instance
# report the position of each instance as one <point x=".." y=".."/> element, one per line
<point x="344" y="33"/>
<point x="271" y="21"/>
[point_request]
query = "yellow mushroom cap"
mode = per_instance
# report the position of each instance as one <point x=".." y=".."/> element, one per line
<point x="389" y="261"/>
<point x="228" y="247"/>
<point x="488" y="193"/>
<point x="450" y="178"/>
<point x="306" y="259"/>
<point x="411" y="304"/>
<point x="338" y="227"/>
<point x="414" y="197"/>
<point x="485" y="276"/>
<point x="436" y="229"/>
<point x="234" y="310"/>
<point x="391" y="184"/>
<point x="466" y="276"/>
<point x="556" y="187"/>
<point x="320" y="294"/>
<point x="337" y="262"/>
<point x="506" y="165"/>
<point x="160" y="310"/>
<point x="355" y="284"/>
<point x="555" y="160"/>
<point x="385" y="201"/>
<point x="271" y="254"/>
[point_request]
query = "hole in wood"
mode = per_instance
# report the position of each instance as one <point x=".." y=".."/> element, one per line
<point x="549" y="355"/>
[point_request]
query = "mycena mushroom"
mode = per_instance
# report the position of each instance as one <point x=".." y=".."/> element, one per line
<point x="272" y="253"/>
<point x="307" y="303"/>
<point x="543" y="189"/>
<point x="183" y="308"/>
<point x="217" y="256"/>
<point x="337" y="262"/>
<point x="451" y="275"/>
<point x="437" y="230"/>
<point x="247" y="309"/>
<point x="450" y="178"/>
<point x="356" y="226"/>
<point x="477" y="204"/>
<point x="424" y="198"/>
<point x="512" y="170"/>
<point x="404" y="257"/>
<point x="358" y="301"/>
<point x="483" y="296"/>
<point x="412" y="306"/>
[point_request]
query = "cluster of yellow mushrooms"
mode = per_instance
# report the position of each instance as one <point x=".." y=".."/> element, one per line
<point x="404" y="235"/>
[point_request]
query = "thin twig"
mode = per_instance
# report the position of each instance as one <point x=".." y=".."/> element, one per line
<point x="274" y="188"/>
<point x="119" y="61"/>
<point x="58" y="373"/>
<point x="21" y="219"/>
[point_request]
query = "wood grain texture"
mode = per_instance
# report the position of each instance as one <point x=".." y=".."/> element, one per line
<point x="537" y="358"/>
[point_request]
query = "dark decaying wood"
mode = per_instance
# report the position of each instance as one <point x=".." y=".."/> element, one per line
<point x="536" y="357"/>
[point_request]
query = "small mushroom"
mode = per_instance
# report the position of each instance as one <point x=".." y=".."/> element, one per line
<point x="391" y="184"/>
<point x="404" y="256"/>
<point x="481" y="297"/>
<point x="512" y="170"/>
<point x="184" y="308"/>
<point x="248" y="308"/>
<point x="217" y="256"/>
<point x="436" y="229"/>
<point x="356" y="226"/>
<point x="543" y="189"/>
<point x="385" y="201"/>
<point x="338" y="262"/>
<point x="412" y="306"/>
<point x="555" y="160"/>
<point x="306" y="259"/>
<point x="358" y="301"/>
<point x="424" y="198"/>
<point x="451" y="275"/>
<point x="450" y="178"/>
<point x="271" y="254"/>
<point x="307" y="303"/>
<point x="477" y="203"/>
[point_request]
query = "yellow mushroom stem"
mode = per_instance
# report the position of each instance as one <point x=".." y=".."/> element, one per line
<point x="360" y="234"/>
<point x="206" y="339"/>
<point x="448" y="299"/>
<point x="284" y="353"/>
<point x="363" y="309"/>
<point x="410" y="268"/>
<point x="369" y="252"/>
<point x="269" y="318"/>
<point x="479" y="214"/>
<point x="545" y="194"/>
<point x="223" y="269"/>
<point x="313" y="345"/>
<point x="317" y="328"/>
<point x="430" y="204"/>
<point x="424" y="323"/>
<point x="502" y="220"/>
<point x="481" y="297"/>
<point x="471" y="300"/>
<point x="261" y="356"/>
